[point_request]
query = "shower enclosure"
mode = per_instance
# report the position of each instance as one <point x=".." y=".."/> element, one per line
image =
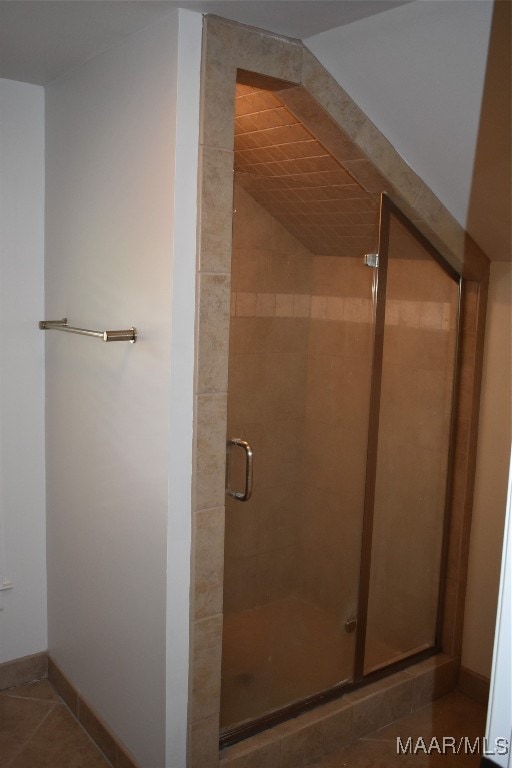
<point x="342" y="369"/>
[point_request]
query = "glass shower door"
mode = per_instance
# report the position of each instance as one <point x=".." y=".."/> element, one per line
<point x="301" y="340"/>
<point x="411" y="445"/>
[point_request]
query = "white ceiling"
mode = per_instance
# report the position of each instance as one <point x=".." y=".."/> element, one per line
<point x="42" y="39"/>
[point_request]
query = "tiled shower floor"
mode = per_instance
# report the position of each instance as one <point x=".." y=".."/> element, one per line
<point x="277" y="653"/>
<point x="284" y="651"/>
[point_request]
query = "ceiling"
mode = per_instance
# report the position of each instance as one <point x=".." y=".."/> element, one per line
<point x="298" y="181"/>
<point x="315" y="188"/>
<point x="42" y="39"/>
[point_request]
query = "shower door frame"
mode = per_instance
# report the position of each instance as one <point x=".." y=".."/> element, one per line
<point x="231" y="735"/>
<point x="227" y="48"/>
<point x="388" y="208"/>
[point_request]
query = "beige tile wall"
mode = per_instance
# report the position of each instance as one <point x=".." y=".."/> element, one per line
<point x="299" y="384"/>
<point x="267" y="383"/>
<point x="337" y="407"/>
<point x="415" y="418"/>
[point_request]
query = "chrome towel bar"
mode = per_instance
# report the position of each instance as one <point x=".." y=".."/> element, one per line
<point x="129" y="334"/>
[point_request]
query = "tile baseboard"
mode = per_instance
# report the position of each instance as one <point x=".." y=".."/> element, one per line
<point x="113" y="750"/>
<point x="473" y="685"/>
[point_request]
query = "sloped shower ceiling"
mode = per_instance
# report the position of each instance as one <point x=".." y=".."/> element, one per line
<point x="298" y="180"/>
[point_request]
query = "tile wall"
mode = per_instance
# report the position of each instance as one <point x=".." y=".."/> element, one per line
<point x="299" y="376"/>
<point x="414" y="430"/>
<point x="271" y="274"/>
<point x="337" y="408"/>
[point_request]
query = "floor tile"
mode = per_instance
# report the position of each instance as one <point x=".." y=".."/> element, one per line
<point x="374" y="754"/>
<point x="453" y="715"/>
<point x="40" y="689"/>
<point x="19" y="719"/>
<point x="38" y="731"/>
<point x="59" y="743"/>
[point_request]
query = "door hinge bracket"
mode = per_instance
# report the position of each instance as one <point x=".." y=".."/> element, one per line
<point x="371" y="260"/>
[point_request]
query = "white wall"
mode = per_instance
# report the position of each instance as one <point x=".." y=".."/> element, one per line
<point x="111" y="203"/>
<point x="22" y="485"/>
<point x="418" y="72"/>
<point x="494" y="439"/>
<point x="182" y="385"/>
<point x="499" y="714"/>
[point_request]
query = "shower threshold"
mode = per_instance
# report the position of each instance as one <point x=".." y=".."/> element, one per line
<point x="315" y="734"/>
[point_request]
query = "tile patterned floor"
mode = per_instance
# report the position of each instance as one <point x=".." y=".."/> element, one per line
<point x="38" y="731"/>
<point x="263" y="648"/>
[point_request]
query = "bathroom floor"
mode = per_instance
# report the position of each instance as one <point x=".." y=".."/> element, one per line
<point x="38" y="731"/>
<point x="454" y="716"/>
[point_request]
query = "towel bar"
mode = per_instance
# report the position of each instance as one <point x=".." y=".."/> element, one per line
<point x="129" y="334"/>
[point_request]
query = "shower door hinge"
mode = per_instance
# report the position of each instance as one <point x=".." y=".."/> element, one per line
<point x="350" y="625"/>
<point x="371" y="260"/>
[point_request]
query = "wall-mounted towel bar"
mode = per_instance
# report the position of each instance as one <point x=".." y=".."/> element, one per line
<point x="129" y="334"/>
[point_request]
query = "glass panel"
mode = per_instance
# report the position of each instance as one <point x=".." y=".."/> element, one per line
<point x="299" y="380"/>
<point x="418" y="371"/>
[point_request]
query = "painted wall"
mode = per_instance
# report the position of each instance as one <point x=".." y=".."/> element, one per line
<point x="115" y="213"/>
<point x="182" y="385"/>
<point x="418" y="72"/>
<point x="499" y="714"/>
<point x="22" y="484"/>
<point x="491" y="476"/>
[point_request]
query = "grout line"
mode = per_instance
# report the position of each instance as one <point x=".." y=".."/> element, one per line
<point x="27" y="698"/>
<point x="120" y="748"/>
<point x="31" y="736"/>
<point x="79" y="724"/>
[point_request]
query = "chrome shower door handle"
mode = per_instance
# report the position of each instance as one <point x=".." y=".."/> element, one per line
<point x="244" y="495"/>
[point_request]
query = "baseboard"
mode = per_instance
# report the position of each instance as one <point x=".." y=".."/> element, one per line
<point x="114" y="751"/>
<point x="23" y="670"/>
<point x="38" y="666"/>
<point x="473" y="685"/>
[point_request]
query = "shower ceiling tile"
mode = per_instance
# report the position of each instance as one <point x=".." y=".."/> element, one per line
<point x="287" y="134"/>
<point x="262" y="121"/>
<point x="245" y="142"/>
<point x="300" y="180"/>
<point x="256" y="101"/>
<point x="244" y="90"/>
<point x="303" y="149"/>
